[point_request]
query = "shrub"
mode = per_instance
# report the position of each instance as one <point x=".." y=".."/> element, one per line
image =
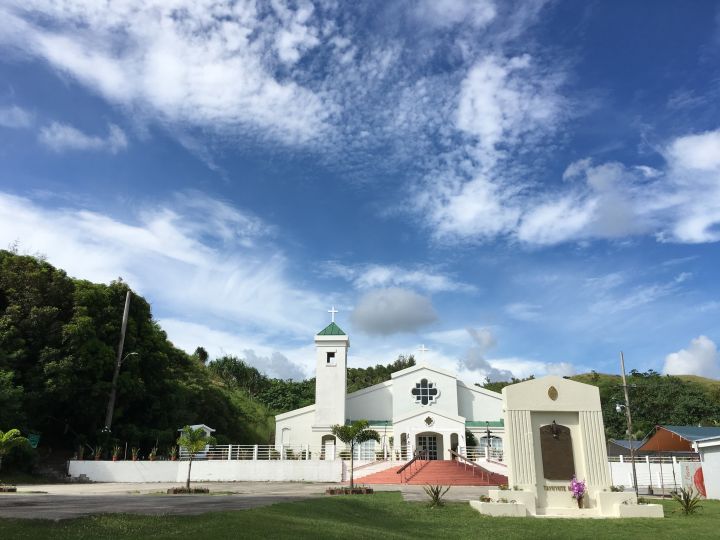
<point x="617" y="488"/>
<point x="436" y="494"/>
<point x="688" y="500"/>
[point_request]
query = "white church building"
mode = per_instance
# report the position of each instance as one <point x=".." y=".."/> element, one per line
<point x="421" y="408"/>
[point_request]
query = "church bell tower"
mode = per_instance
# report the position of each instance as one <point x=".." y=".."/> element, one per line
<point x="331" y="345"/>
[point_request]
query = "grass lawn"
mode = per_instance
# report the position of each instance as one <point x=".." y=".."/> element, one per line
<point x="383" y="515"/>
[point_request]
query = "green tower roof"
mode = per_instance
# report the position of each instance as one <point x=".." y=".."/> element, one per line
<point x="331" y="329"/>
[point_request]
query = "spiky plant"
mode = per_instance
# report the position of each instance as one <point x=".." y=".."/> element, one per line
<point x="436" y="494"/>
<point x="688" y="499"/>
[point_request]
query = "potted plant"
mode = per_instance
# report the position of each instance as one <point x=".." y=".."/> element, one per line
<point x="578" y="490"/>
<point x="153" y="453"/>
<point x="116" y="452"/>
<point x="135" y="452"/>
<point x="173" y="453"/>
<point x="98" y="452"/>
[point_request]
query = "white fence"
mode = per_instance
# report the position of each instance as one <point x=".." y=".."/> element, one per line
<point x="482" y="452"/>
<point x="658" y="476"/>
<point x="301" y="452"/>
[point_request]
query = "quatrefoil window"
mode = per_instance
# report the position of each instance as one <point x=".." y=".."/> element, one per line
<point x="425" y="392"/>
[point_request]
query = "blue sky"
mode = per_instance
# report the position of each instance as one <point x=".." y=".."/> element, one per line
<point x="525" y="187"/>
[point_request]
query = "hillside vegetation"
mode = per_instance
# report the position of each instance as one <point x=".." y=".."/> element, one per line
<point x="58" y="342"/>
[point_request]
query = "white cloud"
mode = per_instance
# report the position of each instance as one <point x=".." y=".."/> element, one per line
<point x="697" y="152"/>
<point x="523" y="311"/>
<point x="210" y="265"/>
<point x="501" y="99"/>
<point x="372" y="276"/>
<point x="63" y="137"/>
<point x="250" y="347"/>
<point x="474" y="363"/>
<point x="15" y="117"/>
<point x="474" y="359"/>
<point x="392" y="310"/>
<point x="577" y="169"/>
<point x="504" y="103"/>
<point x="444" y="13"/>
<point x="203" y="62"/>
<point x="692" y="196"/>
<point x="522" y="368"/>
<point x="700" y="358"/>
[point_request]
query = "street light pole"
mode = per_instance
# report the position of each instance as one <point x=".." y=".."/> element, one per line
<point x="628" y="417"/>
<point x="118" y="363"/>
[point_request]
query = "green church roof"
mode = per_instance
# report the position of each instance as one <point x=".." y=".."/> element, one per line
<point x="331" y="329"/>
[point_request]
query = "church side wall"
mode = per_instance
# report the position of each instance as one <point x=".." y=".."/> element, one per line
<point x="299" y="430"/>
<point x="373" y="405"/>
<point x="477" y="406"/>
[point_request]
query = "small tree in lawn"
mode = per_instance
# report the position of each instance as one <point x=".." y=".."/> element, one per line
<point x="356" y="433"/>
<point x="193" y="441"/>
<point x="8" y="440"/>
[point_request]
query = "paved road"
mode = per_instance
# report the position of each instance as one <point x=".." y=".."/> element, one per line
<point x="63" y="501"/>
<point x="72" y="506"/>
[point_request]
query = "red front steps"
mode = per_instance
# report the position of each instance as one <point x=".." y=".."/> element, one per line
<point x="445" y="473"/>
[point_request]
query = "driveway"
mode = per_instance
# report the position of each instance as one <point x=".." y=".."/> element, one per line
<point x="64" y="501"/>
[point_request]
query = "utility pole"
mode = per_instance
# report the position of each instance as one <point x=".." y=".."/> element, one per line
<point x="118" y="363"/>
<point x="628" y="416"/>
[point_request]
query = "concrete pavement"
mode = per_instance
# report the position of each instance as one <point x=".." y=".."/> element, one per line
<point x="63" y="501"/>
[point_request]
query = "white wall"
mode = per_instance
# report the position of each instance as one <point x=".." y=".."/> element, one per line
<point x="374" y="403"/>
<point x="478" y="405"/>
<point x="299" y="422"/>
<point x="330" y="380"/>
<point x="218" y="471"/>
<point x="711" y="470"/>
<point x="404" y="381"/>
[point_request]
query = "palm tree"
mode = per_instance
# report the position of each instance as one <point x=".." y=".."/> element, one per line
<point x="9" y="440"/>
<point x="193" y="441"/>
<point x="354" y="434"/>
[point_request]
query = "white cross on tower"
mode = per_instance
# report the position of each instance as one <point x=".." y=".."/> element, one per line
<point x="332" y="311"/>
<point x="423" y="349"/>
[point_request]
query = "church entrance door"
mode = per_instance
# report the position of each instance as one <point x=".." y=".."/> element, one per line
<point x="427" y="444"/>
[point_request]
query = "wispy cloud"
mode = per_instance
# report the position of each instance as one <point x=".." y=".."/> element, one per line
<point x="191" y="255"/>
<point x="524" y="311"/>
<point x="15" y="117"/>
<point x="63" y="137"/>
<point x="370" y="276"/>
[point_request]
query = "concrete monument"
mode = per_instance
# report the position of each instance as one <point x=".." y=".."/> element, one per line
<point x="554" y="431"/>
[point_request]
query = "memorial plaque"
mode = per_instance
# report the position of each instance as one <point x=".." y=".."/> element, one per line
<point x="557" y="452"/>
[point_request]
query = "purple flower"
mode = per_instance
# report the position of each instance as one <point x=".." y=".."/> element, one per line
<point x="577" y="488"/>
